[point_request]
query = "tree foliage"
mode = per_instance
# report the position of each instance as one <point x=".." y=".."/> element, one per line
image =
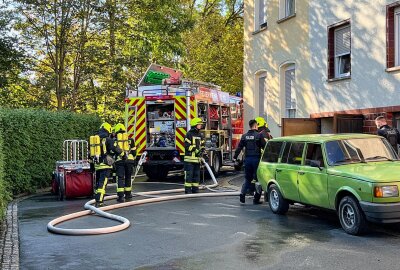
<point x="82" y="54"/>
<point x="214" y="46"/>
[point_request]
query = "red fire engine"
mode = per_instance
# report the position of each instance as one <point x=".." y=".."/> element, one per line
<point x="158" y="113"/>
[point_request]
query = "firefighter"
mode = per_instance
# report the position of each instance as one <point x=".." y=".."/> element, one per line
<point x="124" y="163"/>
<point x="194" y="149"/>
<point x="263" y="137"/>
<point x="103" y="165"/>
<point x="263" y="131"/>
<point x="391" y="134"/>
<point x="251" y="142"/>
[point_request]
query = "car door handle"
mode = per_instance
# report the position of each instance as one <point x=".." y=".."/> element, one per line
<point x="301" y="172"/>
<point x="278" y="170"/>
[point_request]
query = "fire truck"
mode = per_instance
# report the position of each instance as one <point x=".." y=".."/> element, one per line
<point x="158" y="113"/>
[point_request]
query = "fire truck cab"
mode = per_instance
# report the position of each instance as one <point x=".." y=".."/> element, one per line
<point x="158" y="113"/>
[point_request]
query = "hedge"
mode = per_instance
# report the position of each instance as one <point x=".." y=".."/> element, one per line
<point x="4" y="194"/>
<point x="31" y="142"/>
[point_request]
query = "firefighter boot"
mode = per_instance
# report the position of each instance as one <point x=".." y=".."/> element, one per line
<point x="99" y="204"/>
<point x="128" y="196"/>
<point x="188" y="190"/>
<point x="195" y="189"/>
<point x="242" y="198"/>
<point x="121" y="199"/>
<point x="257" y="197"/>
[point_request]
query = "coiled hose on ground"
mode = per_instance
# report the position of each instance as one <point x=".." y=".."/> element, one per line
<point x="51" y="226"/>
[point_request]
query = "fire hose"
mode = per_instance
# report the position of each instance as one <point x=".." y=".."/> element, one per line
<point x="125" y="223"/>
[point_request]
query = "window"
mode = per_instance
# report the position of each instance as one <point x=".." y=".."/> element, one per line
<point x="272" y="152"/>
<point x="262" y="98"/>
<point x="397" y="36"/>
<point x="260" y="15"/>
<point x="393" y="35"/>
<point x="314" y="155"/>
<point x="290" y="93"/>
<point x="286" y="8"/>
<point x="339" y="50"/>
<point x="293" y="153"/>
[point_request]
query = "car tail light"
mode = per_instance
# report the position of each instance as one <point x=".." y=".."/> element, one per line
<point x="386" y="191"/>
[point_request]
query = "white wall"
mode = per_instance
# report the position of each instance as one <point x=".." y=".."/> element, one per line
<point x="370" y="85"/>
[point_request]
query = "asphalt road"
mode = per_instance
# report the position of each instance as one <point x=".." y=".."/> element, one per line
<point x="201" y="233"/>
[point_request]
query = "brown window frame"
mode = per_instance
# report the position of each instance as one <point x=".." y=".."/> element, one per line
<point x="390" y="35"/>
<point x="331" y="49"/>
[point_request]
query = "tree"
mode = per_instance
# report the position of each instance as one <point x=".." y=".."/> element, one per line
<point x="11" y="58"/>
<point x="214" y="46"/>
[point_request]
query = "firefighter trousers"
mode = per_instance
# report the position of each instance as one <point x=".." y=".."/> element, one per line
<point x="124" y="171"/>
<point x="250" y="171"/>
<point x="102" y="176"/>
<point x="192" y="177"/>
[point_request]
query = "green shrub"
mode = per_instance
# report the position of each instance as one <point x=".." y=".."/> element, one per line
<point x="32" y="143"/>
<point x="4" y="194"/>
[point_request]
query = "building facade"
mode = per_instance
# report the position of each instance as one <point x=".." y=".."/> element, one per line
<point x="334" y="63"/>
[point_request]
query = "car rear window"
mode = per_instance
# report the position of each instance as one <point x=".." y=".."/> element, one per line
<point x="272" y="151"/>
<point x="293" y="153"/>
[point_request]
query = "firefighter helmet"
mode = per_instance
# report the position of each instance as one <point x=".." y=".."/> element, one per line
<point x="261" y="122"/>
<point x="106" y="126"/>
<point x="196" y="121"/>
<point x="119" y="128"/>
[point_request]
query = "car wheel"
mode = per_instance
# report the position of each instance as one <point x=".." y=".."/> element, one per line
<point x="351" y="216"/>
<point x="276" y="201"/>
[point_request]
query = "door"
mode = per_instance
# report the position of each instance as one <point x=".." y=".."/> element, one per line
<point x="299" y="126"/>
<point x="348" y="123"/>
<point x="313" y="181"/>
<point x="287" y="170"/>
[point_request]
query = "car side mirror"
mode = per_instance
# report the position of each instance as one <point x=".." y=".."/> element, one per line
<point x="316" y="164"/>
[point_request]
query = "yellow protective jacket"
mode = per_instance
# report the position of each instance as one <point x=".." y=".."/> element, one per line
<point x="194" y="146"/>
<point x="104" y="158"/>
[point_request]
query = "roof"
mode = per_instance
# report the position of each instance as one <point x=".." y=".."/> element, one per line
<point x="325" y="137"/>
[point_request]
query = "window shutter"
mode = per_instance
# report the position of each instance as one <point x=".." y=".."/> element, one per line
<point x="342" y="41"/>
<point x="290" y="98"/>
<point x="290" y="7"/>
<point x="261" y="91"/>
<point x="261" y="12"/>
<point x="397" y="37"/>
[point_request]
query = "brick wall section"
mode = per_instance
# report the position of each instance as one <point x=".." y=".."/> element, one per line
<point x="369" y="121"/>
<point x="369" y="116"/>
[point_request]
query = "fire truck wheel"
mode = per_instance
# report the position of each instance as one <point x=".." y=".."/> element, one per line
<point x="216" y="164"/>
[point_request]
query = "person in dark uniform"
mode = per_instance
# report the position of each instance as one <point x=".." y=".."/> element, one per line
<point x="194" y="148"/>
<point x="391" y="134"/>
<point x="251" y="143"/>
<point x="124" y="163"/>
<point x="263" y="131"/>
<point x="103" y="165"/>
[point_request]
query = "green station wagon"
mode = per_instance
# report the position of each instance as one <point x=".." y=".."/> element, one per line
<point x="357" y="175"/>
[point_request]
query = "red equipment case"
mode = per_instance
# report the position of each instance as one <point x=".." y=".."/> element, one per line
<point x="73" y="177"/>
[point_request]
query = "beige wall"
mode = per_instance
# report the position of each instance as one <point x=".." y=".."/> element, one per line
<point x="271" y="49"/>
<point x="370" y="85"/>
<point x="303" y="41"/>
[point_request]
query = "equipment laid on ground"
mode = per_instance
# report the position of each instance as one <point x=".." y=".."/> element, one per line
<point x="125" y="223"/>
<point x="158" y="113"/>
<point x="73" y="177"/>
